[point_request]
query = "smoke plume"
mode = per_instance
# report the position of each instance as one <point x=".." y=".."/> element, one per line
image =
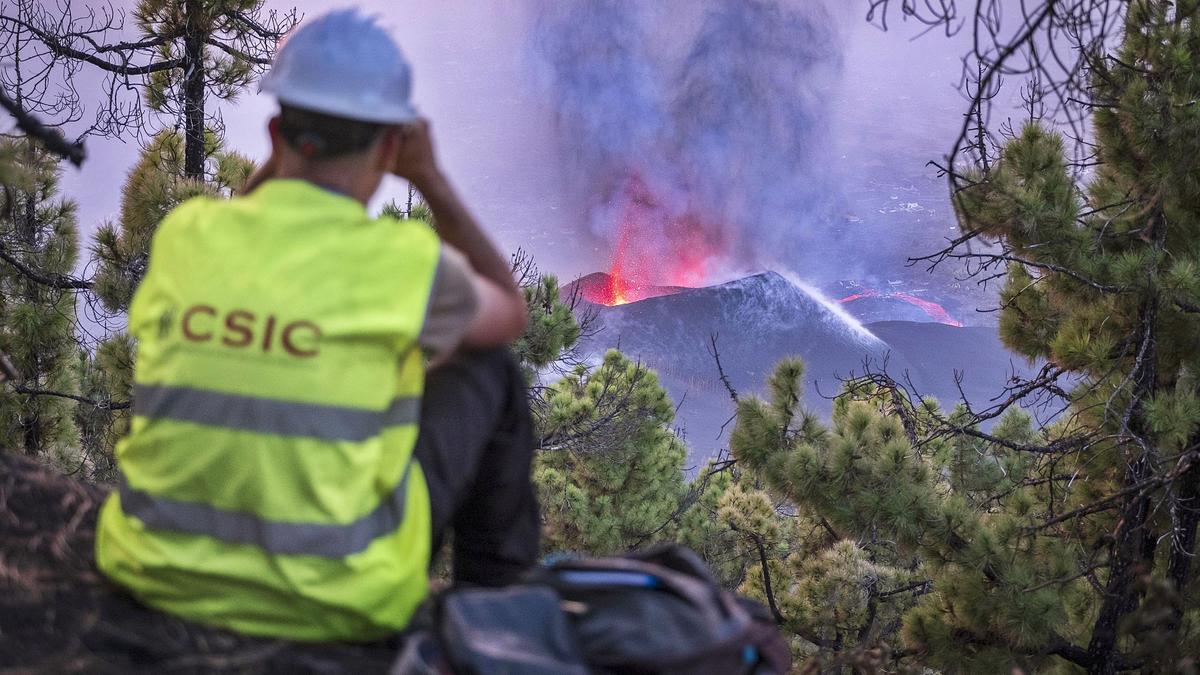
<point x="695" y="132"/>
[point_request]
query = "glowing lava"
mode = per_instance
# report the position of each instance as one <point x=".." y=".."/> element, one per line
<point x="603" y="289"/>
<point x="934" y="310"/>
<point x="618" y="283"/>
<point x="657" y="251"/>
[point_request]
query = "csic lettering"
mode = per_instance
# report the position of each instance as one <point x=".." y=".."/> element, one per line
<point x="242" y="328"/>
<point x="187" y="327"/>
<point x="268" y="333"/>
<point x="289" y="344"/>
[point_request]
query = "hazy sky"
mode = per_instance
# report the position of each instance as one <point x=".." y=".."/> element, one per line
<point x="896" y="107"/>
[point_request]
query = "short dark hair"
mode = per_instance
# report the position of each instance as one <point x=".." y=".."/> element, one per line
<point x="319" y="136"/>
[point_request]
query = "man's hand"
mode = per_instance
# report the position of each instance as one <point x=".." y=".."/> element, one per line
<point x="502" y="314"/>
<point x="415" y="161"/>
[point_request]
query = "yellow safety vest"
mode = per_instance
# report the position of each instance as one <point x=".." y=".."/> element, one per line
<point x="268" y="478"/>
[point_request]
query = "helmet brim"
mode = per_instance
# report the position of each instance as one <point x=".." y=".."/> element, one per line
<point x="391" y="113"/>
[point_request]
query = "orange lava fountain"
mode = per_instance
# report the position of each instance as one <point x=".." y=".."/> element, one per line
<point x="657" y="252"/>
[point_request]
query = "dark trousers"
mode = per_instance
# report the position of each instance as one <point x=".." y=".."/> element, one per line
<point x="475" y="448"/>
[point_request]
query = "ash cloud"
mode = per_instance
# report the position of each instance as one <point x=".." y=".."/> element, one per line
<point x="695" y="129"/>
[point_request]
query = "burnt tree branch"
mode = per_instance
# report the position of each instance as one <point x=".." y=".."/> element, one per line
<point x="58" y="281"/>
<point x="101" y="404"/>
<point x="50" y="139"/>
<point x="61" y="48"/>
<point x="716" y="354"/>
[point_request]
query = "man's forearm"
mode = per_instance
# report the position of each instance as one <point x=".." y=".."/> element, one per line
<point x="458" y="227"/>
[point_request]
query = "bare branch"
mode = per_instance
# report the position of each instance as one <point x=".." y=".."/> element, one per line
<point x="257" y="60"/>
<point x="52" y="280"/>
<point x="59" y="48"/>
<point x="73" y="152"/>
<point x="103" y="405"/>
<point x="716" y="354"/>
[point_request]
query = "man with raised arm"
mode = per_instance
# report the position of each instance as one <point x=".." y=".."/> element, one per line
<point x="292" y="460"/>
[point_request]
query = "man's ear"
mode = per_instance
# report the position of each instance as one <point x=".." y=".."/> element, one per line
<point x="273" y="131"/>
<point x="389" y="146"/>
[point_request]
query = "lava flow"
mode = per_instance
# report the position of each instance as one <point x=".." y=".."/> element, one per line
<point x="657" y="252"/>
<point x="933" y="309"/>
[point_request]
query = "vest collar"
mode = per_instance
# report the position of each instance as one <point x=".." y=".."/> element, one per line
<point x="292" y="191"/>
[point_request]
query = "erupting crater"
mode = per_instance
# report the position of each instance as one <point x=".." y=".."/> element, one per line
<point x="602" y="288"/>
<point x="658" y="249"/>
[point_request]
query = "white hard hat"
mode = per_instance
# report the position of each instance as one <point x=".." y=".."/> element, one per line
<point x="343" y="64"/>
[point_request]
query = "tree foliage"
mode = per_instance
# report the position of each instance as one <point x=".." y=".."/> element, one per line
<point x="553" y="329"/>
<point x="185" y="52"/>
<point x="1103" y="282"/>
<point x="155" y="186"/>
<point x="610" y="470"/>
<point x="911" y="539"/>
<point x="1066" y="548"/>
<point x="38" y="231"/>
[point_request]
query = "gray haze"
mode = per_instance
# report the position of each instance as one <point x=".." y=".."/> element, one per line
<point x="708" y="142"/>
<point x="877" y="105"/>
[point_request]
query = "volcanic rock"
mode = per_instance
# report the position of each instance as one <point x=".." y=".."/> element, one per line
<point x="761" y="319"/>
<point x="757" y="321"/>
<point x="59" y="615"/>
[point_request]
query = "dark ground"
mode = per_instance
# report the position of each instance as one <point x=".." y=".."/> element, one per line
<point x="58" y="615"/>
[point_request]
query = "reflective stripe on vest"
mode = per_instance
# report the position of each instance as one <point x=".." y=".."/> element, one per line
<point x="279" y="538"/>
<point x="270" y="416"/>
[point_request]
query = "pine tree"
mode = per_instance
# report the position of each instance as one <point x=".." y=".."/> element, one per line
<point x="1104" y="281"/>
<point x="799" y="515"/>
<point x="609" y="471"/>
<point x="1067" y="548"/>
<point x="121" y="250"/>
<point x="37" y="231"/>
<point x="893" y="533"/>
<point x="414" y="207"/>
<point x="185" y="53"/>
<point x="173" y="166"/>
<point x="155" y="186"/>
<point x="553" y="330"/>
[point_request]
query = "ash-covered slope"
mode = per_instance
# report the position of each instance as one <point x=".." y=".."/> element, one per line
<point x="935" y="352"/>
<point x="758" y="320"/>
<point x="764" y="318"/>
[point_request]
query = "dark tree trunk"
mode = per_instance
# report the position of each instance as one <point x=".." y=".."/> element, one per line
<point x="1183" y="548"/>
<point x="1129" y="560"/>
<point x="1133" y="551"/>
<point x="32" y="438"/>
<point x="27" y="234"/>
<point x="193" y="91"/>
